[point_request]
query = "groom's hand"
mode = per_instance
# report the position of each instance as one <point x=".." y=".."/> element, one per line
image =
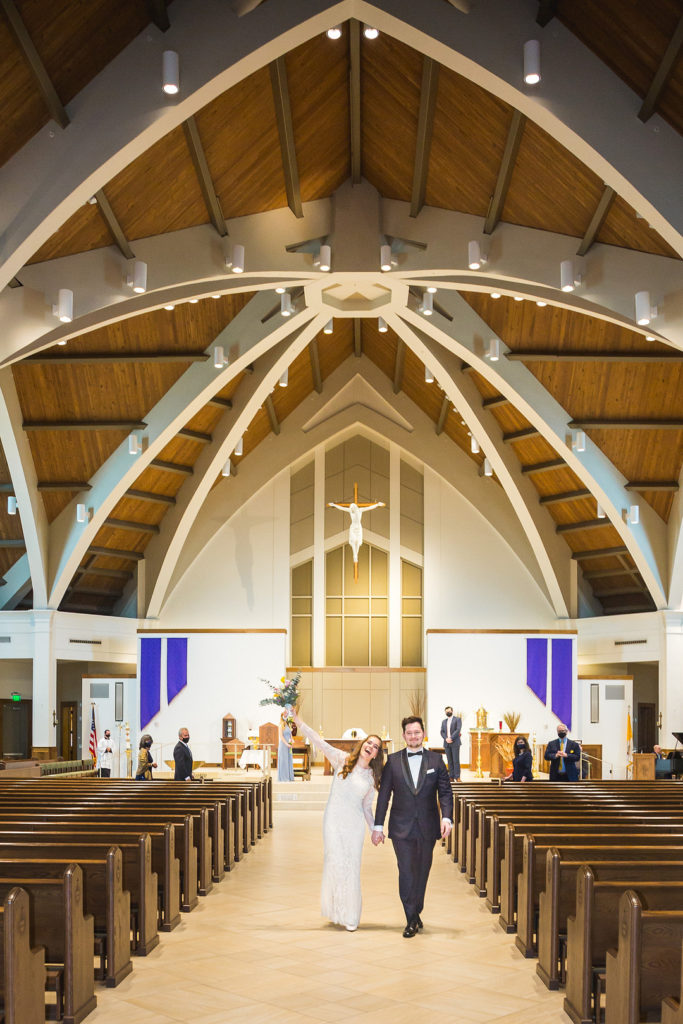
<point x="446" y="827"/>
<point x="377" y="837"/>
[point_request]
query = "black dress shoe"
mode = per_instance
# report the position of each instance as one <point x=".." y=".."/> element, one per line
<point x="418" y="921"/>
<point x="410" y="930"/>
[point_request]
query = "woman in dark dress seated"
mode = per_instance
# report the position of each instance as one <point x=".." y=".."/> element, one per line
<point x="521" y="762"/>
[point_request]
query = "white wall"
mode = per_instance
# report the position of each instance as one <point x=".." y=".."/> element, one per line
<point x="224" y="673"/>
<point x="610" y="729"/>
<point x="472" y="578"/>
<point x="241" y="577"/>
<point x="467" y="670"/>
<point x="105" y="715"/>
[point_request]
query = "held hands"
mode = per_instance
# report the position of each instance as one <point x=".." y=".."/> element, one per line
<point x="377" y="837"/>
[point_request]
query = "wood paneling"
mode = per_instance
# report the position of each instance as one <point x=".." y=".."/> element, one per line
<point x="317" y="74"/>
<point x="159" y="191"/>
<point x="83" y="231"/>
<point x="631" y="38"/>
<point x="380" y="348"/>
<point x="240" y="138"/>
<point x="470" y="128"/>
<point x="623" y="227"/>
<point x="391" y="75"/>
<point x="550" y="189"/>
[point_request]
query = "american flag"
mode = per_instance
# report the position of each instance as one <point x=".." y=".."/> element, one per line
<point x="92" y="746"/>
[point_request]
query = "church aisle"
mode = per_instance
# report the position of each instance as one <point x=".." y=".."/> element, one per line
<point x="256" y="950"/>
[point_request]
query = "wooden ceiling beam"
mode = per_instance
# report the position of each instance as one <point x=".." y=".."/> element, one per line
<point x="399" y="365"/>
<point x="495" y="400"/>
<point x="580" y="556"/>
<point x="159" y="14"/>
<point x="618" y="592"/>
<point x="354" y="101"/>
<point x="201" y="166"/>
<point x="314" y="356"/>
<point x="597" y="220"/>
<point x="114" y="574"/>
<point x="132" y="556"/>
<point x="603" y="574"/>
<point x="283" y="113"/>
<point x="625" y="609"/>
<point x="85" y="358"/>
<point x="195" y="435"/>
<point x="591" y="356"/>
<point x="128" y="524"/>
<point x="585" y="524"/>
<point x="172" y="467"/>
<point x="272" y="415"/>
<point x="127" y="425"/>
<point x="357" y="338"/>
<point x="63" y="485"/>
<point x="652" y="485"/>
<point x="159" y="499"/>
<point x="663" y="72"/>
<point x="10" y="543"/>
<point x="554" y="499"/>
<point x="543" y="467"/>
<point x="443" y="414"/>
<point x="45" y="85"/>
<point x="224" y="403"/>
<point x="507" y="166"/>
<point x="589" y="423"/>
<point x="111" y="220"/>
<point x="78" y="588"/>
<point x="425" y="126"/>
<point x="85" y="609"/>
<point x="520" y="435"/>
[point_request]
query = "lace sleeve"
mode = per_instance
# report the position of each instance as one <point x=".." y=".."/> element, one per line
<point x="367" y="807"/>
<point x="334" y="755"/>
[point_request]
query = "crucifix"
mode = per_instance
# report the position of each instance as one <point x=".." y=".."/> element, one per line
<point x="355" y="509"/>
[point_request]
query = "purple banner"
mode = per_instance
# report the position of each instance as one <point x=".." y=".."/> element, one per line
<point x="561" y="673"/>
<point x="537" y="666"/>
<point x="150" y="678"/>
<point x="176" y="666"/>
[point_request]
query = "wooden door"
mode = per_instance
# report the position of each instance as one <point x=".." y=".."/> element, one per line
<point x="647" y="732"/>
<point x="68" y="718"/>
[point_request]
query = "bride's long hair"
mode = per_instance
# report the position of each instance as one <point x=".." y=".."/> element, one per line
<point x="375" y="765"/>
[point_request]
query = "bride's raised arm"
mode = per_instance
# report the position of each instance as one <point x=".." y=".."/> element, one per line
<point x="334" y="755"/>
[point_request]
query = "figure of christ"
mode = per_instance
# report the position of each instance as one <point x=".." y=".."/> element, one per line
<point x="356" y="510"/>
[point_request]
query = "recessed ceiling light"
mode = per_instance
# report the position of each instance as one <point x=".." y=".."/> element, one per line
<point x="169" y="308"/>
<point x="519" y="298"/>
<point x="370" y="32"/>
<point x="194" y="301"/>
<point x="215" y="296"/>
<point x="335" y="32"/>
<point x="495" y="295"/>
<point x="649" y="337"/>
<point x="541" y="303"/>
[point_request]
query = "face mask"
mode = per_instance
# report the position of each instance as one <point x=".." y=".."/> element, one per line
<point x="107" y="736"/>
<point x="448" y="714"/>
<point x="519" y="746"/>
<point x="562" y="733"/>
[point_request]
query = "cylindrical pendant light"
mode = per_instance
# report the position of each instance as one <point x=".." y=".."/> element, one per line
<point x="473" y="255"/>
<point x="325" y="258"/>
<point x="64" y="310"/>
<point x="567" y="275"/>
<point x="643" y="311"/>
<point x="284" y="379"/>
<point x="488" y="469"/>
<point x="286" y="307"/>
<point x="474" y="445"/>
<point x="385" y="258"/>
<point x="382" y="325"/>
<point x="532" y="62"/>
<point x="170" y="72"/>
<point x="239" y="447"/>
<point x="429" y="376"/>
<point x="226" y="469"/>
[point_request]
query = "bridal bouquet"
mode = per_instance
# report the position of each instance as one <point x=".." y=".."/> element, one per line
<point x="285" y="694"/>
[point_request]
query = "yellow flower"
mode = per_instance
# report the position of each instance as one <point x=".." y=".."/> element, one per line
<point x="282" y="679"/>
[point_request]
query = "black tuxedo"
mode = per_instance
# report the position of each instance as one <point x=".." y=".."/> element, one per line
<point x="452" y="750"/>
<point x="414" y="822"/>
<point x="571" y="761"/>
<point x="182" y="755"/>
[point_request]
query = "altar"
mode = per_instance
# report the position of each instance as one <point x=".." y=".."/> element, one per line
<point x="492" y="760"/>
<point x="254" y="758"/>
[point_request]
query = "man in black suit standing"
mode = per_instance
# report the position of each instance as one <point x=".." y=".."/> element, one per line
<point x="182" y="755"/>
<point x="450" y="733"/>
<point x="418" y="782"/>
<point x="564" y="756"/>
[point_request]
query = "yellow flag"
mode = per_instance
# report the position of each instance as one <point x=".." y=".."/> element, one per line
<point x="629" y="730"/>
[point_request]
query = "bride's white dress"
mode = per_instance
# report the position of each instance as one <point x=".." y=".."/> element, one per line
<point x="347" y="815"/>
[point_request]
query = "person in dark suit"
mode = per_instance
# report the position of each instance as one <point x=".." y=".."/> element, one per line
<point x="182" y="755"/>
<point x="417" y="782"/>
<point x="450" y="733"/>
<point x="521" y="762"/>
<point x="564" y="756"/>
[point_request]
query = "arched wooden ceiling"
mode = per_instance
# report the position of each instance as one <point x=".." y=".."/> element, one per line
<point x="596" y="370"/>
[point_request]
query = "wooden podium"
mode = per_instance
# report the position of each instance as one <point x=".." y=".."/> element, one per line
<point x="491" y="760"/>
<point x="643" y="766"/>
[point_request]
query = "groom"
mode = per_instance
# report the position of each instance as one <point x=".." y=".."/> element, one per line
<point x="415" y="777"/>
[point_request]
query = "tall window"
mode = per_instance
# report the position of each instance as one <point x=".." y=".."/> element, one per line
<point x="356" y="614"/>
<point x="411" y="614"/>
<point x="302" y="613"/>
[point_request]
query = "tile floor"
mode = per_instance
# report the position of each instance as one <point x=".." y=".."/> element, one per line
<point x="256" y="950"/>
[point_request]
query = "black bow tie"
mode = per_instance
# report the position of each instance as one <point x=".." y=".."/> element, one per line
<point x="415" y="753"/>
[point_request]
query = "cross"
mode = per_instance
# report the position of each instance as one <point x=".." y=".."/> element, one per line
<point x="355" y="509"/>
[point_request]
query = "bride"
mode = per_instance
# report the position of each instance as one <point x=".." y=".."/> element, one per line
<point x="349" y="809"/>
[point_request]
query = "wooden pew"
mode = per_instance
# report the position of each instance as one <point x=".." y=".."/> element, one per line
<point x="105" y="900"/>
<point x="558" y="900"/>
<point x="68" y="935"/>
<point x="23" y="976"/>
<point x="595" y="929"/>
<point x="646" y="967"/>
<point x="138" y="877"/>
